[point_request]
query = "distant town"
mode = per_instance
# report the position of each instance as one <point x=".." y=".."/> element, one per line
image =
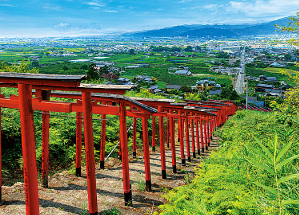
<point x="168" y="66"/>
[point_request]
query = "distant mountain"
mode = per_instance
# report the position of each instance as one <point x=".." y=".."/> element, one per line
<point x="199" y="31"/>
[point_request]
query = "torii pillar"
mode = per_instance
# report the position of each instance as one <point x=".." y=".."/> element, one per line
<point x="28" y="149"/>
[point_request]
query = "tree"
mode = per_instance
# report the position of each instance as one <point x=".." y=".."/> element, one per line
<point x="92" y="72"/>
<point x="198" y="48"/>
<point x="104" y="69"/>
<point x="22" y="67"/>
<point x="291" y="27"/>
<point x="229" y="93"/>
<point x="287" y="57"/>
<point x="35" y="63"/>
<point x="186" y="88"/>
<point x="188" y="49"/>
<point x="65" y="68"/>
<point x="222" y="55"/>
<point x="132" y="51"/>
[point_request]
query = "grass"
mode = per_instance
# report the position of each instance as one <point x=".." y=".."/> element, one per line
<point x="255" y="170"/>
<point x="140" y="183"/>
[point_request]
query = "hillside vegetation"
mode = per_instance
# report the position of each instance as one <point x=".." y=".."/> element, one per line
<point x="255" y="170"/>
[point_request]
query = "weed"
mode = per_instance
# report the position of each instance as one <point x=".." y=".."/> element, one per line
<point x="187" y="178"/>
<point x="140" y="183"/>
<point x="83" y="209"/>
<point x="164" y="189"/>
<point x="112" y="211"/>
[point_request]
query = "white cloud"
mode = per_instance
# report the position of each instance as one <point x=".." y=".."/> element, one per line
<point x="183" y="1"/>
<point x="211" y="6"/>
<point x="263" y="8"/>
<point x="110" y="11"/>
<point x="52" y="7"/>
<point x="6" y="5"/>
<point x="61" y="26"/>
<point x="95" y="4"/>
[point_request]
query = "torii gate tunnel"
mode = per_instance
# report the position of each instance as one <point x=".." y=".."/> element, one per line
<point x="203" y="116"/>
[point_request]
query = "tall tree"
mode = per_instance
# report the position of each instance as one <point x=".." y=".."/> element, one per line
<point x="92" y="72"/>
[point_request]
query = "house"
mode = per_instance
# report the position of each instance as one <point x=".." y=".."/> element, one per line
<point x="203" y="84"/>
<point x="132" y="67"/>
<point x="154" y="89"/>
<point x="144" y="78"/>
<point x="263" y="87"/>
<point x="214" y="92"/>
<point x="183" y="72"/>
<point x="123" y="80"/>
<point x="172" y="87"/>
<point x="264" y="78"/>
<point x="275" y="64"/>
<point x="272" y="92"/>
<point x="109" y="76"/>
<point x="285" y="87"/>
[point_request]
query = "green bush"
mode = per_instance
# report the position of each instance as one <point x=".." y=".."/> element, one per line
<point x="255" y="170"/>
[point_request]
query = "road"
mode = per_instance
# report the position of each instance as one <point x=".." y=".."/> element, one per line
<point x="240" y="76"/>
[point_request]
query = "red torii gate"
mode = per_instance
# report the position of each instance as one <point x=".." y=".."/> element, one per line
<point x="132" y="112"/>
<point x="44" y="83"/>
<point x="26" y="104"/>
<point x="181" y="112"/>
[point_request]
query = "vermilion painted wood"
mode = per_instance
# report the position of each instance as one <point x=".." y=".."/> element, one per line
<point x="134" y="136"/>
<point x="0" y="160"/>
<point x="193" y="138"/>
<point x="103" y="139"/>
<point x="78" y="142"/>
<point x="146" y="154"/>
<point x="162" y="146"/>
<point x="45" y="148"/>
<point x="89" y="151"/>
<point x="168" y="132"/>
<point x="28" y="149"/>
<point x="37" y="105"/>
<point x="172" y="134"/>
<point x="182" y="148"/>
<point x="153" y="133"/>
<point x="205" y="133"/>
<point x="124" y="151"/>
<point x="91" y="90"/>
<point x="52" y="83"/>
<point x="211" y="127"/>
<point x="179" y="125"/>
<point x="197" y="136"/>
<point x="208" y="131"/>
<point x="201" y="135"/>
<point x="187" y="139"/>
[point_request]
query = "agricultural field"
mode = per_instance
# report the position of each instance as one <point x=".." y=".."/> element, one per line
<point x="159" y="63"/>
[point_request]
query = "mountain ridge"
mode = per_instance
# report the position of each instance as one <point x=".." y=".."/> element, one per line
<point x="216" y="30"/>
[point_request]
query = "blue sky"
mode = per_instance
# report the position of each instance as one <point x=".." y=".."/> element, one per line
<point x="32" y="18"/>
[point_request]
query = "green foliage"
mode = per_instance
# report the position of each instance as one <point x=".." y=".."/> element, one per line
<point x="23" y="67"/>
<point x="131" y="51"/>
<point x="291" y="27"/>
<point x="222" y="55"/>
<point x="255" y="170"/>
<point x="196" y="96"/>
<point x="112" y="211"/>
<point x="140" y="183"/>
<point x="92" y="73"/>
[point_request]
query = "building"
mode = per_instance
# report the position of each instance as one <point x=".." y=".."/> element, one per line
<point x="172" y="87"/>
<point x="263" y="87"/>
<point x="183" y="72"/>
